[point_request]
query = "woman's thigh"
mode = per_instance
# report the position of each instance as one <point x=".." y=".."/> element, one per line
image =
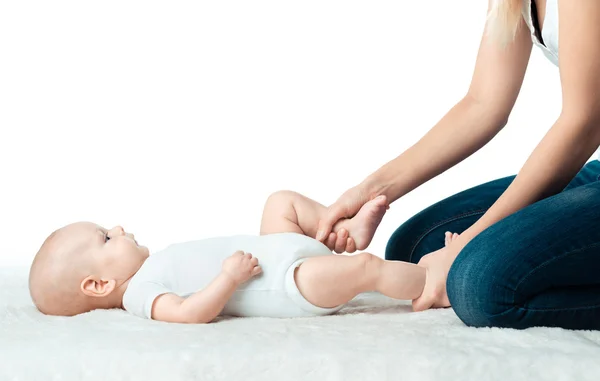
<point x="424" y="232"/>
<point x="539" y="266"/>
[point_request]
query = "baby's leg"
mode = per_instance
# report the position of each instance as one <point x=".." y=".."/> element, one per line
<point x="287" y="211"/>
<point x="330" y="281"/>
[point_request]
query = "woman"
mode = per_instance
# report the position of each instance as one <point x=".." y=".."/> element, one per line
<point x="528" y="250"/>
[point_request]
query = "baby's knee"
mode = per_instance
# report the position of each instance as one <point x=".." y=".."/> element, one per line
<point x="365" y="258"/>
<point x="281" y="196"/>
<point x="367" y="262"/>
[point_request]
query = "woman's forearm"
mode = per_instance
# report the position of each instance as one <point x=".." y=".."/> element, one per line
<point x="466" y="128"/>
<point x="548" y="170"/>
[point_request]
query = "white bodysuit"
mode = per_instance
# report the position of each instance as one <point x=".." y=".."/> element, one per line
<point x="188" y="267"/>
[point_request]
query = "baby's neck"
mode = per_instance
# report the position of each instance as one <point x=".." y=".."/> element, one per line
<point x="119" y="292"/>
<point x="114" y="300"/>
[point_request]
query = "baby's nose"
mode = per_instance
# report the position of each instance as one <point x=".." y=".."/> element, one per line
<point x="119" y="230"/>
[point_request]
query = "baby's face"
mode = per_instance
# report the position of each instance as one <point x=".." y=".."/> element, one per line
<point x="80" y="266"/>
<point x="114" y="253"/>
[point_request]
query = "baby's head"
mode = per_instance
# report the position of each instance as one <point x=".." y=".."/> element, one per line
<point x="81" y="267"/>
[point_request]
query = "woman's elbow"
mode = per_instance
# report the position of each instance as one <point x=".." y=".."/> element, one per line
<point x="491" y="111"/>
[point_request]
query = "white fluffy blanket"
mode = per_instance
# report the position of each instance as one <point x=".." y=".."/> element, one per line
<point x="374" y="338"/>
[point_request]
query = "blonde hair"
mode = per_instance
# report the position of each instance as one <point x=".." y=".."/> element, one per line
<point x="504" y="19"/>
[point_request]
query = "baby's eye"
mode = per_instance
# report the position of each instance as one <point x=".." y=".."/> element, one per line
<point x="106" y="237"/>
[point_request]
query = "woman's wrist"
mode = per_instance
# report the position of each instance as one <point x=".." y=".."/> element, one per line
<point x="393" y="180"/>
<point x="374" y="186"/>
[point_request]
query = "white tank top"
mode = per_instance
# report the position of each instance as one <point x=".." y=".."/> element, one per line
<point x="549" y="33"/>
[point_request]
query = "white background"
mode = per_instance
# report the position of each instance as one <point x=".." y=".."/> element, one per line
<point x="178" y="119"/>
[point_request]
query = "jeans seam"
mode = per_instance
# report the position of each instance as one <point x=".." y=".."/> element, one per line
<point x="546" y="263"/>
<point x="540" y="310"/>
<point x="441" y="223"/>
<point x="559" y="309"/>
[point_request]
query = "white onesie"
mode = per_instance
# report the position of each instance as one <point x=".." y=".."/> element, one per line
<point x="187" y="267"/>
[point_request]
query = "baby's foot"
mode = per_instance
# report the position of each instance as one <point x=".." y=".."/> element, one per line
<point x="361" y="228"/>
<point x="449" y="237"/>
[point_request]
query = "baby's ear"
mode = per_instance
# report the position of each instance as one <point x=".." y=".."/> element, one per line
<point x="96" y="287"/>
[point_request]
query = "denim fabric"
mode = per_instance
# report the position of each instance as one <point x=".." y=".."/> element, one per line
<point x="539" y="266"/>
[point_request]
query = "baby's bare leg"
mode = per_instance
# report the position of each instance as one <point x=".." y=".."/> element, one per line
<point x="330" y="281"/>
<point x="288" y="211"/>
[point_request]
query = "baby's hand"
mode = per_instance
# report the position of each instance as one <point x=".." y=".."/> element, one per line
<point x="241" y="266"/>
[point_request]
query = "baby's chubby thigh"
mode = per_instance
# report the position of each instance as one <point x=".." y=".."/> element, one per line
<point x="267" y="294"/>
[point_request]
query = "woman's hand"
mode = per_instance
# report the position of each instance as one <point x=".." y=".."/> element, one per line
<point x="346" y="206"/>
<point x="437" y="265"/>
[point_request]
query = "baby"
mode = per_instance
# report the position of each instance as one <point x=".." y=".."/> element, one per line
<point x="282" y="272"/>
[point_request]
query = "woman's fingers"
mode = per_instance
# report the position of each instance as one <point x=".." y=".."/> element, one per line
<point x="330" y="242"/>
<point x="334" y="213"/>
<point x="350" y="245"/>
<point x="422" y="303"/>
<point x="340" y="243"/>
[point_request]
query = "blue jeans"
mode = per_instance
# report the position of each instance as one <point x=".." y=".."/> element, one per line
<point x="539" y="266"/>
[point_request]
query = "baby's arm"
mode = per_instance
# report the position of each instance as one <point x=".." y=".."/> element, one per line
<point x="205" y="305"/>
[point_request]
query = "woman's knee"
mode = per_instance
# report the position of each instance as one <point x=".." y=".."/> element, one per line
<point x="399" y="246"/>
<point x="425" y="233"/>
<point x="417" y="236"/>
<point x="478" y="286"/>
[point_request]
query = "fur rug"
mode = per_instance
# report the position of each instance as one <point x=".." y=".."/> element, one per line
<point x="373" y="338"/>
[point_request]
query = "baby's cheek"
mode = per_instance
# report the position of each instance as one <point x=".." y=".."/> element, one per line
<point x="122" y="249"/>
<point x="103" y="262"/>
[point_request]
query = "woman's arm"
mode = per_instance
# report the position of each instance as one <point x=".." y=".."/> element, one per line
<point x="468" y="126"/>
<point x="576" y="134"/>
<point x="558" y="157"/>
